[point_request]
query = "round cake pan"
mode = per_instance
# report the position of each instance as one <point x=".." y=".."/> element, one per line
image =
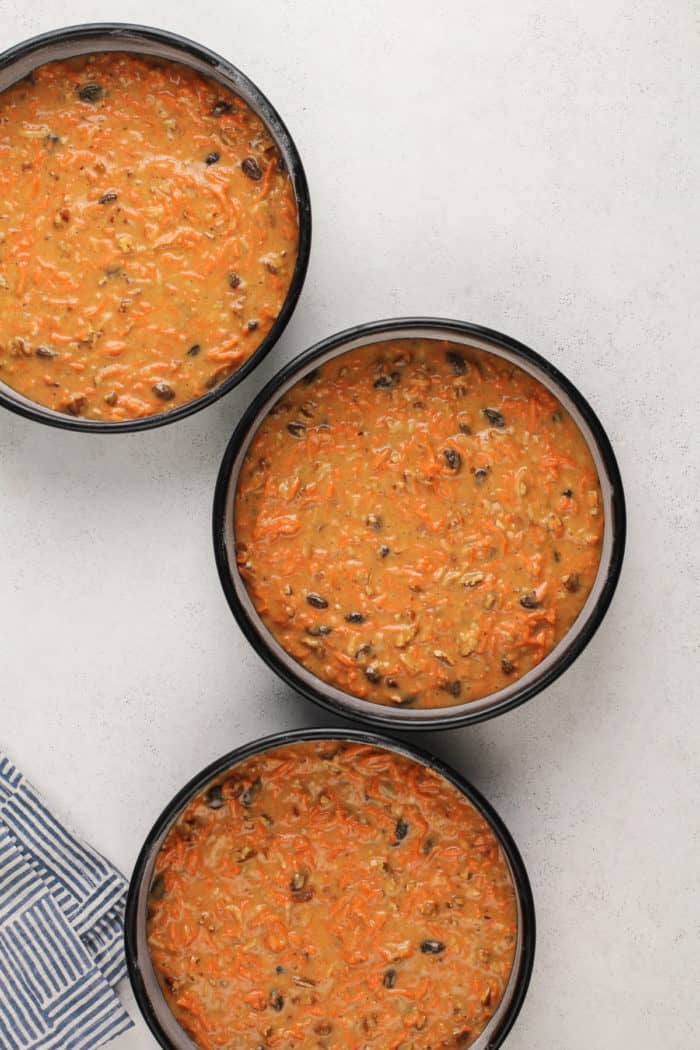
<point x="144" y="982"/>
<point x="556" y="661"/>
<point x="60" y="44"/>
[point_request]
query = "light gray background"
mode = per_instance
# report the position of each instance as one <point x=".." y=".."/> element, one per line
<point x="528" y="165"/>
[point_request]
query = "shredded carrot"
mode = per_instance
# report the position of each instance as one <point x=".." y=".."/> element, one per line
<point x="341" y="895"/>
<point x="420" y="521"/>
<point x="197" y="213"/>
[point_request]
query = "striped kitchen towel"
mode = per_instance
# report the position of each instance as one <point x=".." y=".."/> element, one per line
<point x="61" y="923"/>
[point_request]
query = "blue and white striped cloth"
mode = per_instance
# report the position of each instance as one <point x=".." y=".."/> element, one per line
<point x="61" y="925"/>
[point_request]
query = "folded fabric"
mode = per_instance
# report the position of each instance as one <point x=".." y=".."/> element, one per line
<point x="61" y="927"/>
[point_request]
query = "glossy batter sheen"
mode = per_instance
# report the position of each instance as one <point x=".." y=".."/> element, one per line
<point x="336" y="896"/>
<point x="417" y="523"/>
<point x="148" y="235"/>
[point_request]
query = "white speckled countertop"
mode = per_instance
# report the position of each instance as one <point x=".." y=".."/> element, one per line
<point x="534" y="167"/>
